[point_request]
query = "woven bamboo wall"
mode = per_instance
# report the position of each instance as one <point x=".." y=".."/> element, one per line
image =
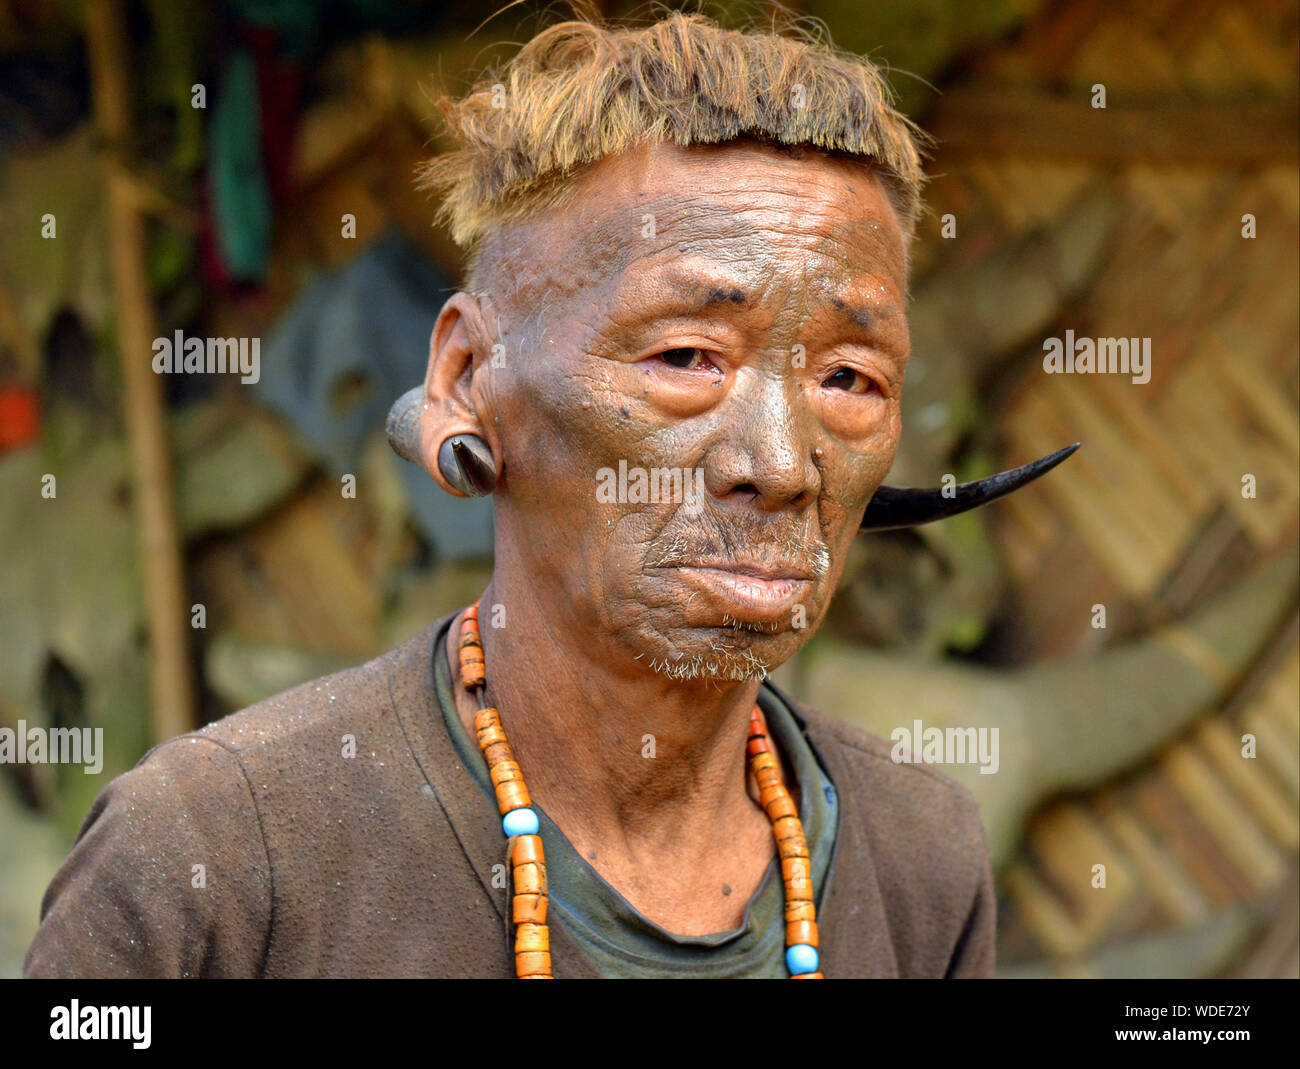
<point x="1200" y="844"/>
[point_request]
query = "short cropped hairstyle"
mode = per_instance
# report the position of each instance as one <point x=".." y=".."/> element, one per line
<point x="581" y="90"/>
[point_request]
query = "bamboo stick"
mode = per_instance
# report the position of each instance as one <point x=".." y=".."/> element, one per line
<point x="170" y="672"/>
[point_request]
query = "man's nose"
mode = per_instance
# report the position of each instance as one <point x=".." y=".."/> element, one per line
<point x="765" y="449"/>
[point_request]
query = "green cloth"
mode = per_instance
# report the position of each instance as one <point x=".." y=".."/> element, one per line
<point x="621" y="942"/>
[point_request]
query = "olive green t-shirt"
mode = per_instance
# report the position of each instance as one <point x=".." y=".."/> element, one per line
<point x="618" y="939"/>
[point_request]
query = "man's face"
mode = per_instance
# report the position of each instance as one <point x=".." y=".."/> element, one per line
<point x="728" y="310"/>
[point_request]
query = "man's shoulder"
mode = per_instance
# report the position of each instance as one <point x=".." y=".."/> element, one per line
<point x="915" y="834"/>
<point x="253" y="763"/>
<point x="293" y="811"/>
<point x="905" y="808"/>
<point x="870" y="760"/>
<point x="356" y="702"/>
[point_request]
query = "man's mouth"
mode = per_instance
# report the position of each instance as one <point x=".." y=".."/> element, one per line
<point x="750" y="592"/>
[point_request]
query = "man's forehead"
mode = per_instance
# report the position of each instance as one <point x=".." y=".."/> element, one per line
<point x="740" y="205"/>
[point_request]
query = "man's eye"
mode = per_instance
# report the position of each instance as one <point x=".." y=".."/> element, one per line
<point x="846" y="378"/>
<point x="685" y="359"/>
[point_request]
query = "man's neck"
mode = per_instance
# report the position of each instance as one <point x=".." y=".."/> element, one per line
<point x="646" y="776"/>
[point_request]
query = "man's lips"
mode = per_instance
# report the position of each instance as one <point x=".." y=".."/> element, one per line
<point x="755" y="570"/>
<point x="748" y="592"/>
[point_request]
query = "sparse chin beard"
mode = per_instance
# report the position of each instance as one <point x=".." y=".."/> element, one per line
<point x="720" y="662"/>
<point x="723" y="665"/>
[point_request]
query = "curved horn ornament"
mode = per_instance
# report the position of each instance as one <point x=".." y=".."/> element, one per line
<point x="893" y="507"/>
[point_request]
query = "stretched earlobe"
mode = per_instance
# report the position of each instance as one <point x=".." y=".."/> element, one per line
<point x="464" y="460"/>
<point x="403" y="425"/>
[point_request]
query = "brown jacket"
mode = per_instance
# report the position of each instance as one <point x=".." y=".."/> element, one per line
<point x="316" y="864"/>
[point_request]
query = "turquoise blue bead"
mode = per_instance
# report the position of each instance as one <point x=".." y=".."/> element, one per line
<point x="520" y="822"/>
<point x="801" y="958"/>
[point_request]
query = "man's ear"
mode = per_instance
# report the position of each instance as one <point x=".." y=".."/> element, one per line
<point x="459" y="337"/>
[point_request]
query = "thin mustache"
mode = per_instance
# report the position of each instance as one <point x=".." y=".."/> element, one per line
<point x="797" y="551"/>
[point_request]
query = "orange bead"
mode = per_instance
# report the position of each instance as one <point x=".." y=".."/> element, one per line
<point x="505" y="772"/>
<point x="473" y="671"/>
<point x="779" y="806"/>
<point x="527" y="850"/>
<point x="801" y="932"/>
<point x="530" y="880"/>
<point x="798" y="889"/>
<point x="486" y="718"/>
<point x="534" y="963"/>
<point x="528" y="909"/>
<point x="756" y="744"/>
<point x="491" y="735"/>
<point x="794" y="846"/>
<point x="796" y="874"/>
<point x="532" y="938"/>
<point x="808" y="976"/>
<point x="496" y="752"/>
<point x="796" y="868"/>
<point x="787" y="827"/>
<point x="512" y="794"/>
<point x="800" y="909"/>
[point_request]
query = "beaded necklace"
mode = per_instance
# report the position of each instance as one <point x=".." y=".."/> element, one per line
<point x="528" y="860"/>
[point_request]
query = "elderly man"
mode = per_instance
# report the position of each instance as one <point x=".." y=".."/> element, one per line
<point x="677" y="365"/>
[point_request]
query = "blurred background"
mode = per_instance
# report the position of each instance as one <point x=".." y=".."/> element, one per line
<point x="244" y="169"/>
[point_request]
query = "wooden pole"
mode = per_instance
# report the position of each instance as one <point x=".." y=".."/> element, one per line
<point x="170" y="673"/>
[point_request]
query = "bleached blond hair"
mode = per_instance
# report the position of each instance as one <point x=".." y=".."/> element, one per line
<point x="582" y="90"/>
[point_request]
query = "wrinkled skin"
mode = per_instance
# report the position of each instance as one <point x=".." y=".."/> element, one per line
<point x="672" y="349"/>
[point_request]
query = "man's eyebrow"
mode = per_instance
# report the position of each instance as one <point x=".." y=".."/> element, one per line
<point x="694" y="292"/>
<point x="863" y="315"/>
<point x="689" y="290"/>
<point x="724" y="295"/>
